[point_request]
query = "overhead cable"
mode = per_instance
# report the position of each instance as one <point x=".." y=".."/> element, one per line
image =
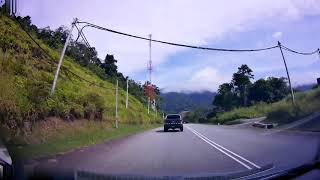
<point x="87" y="24"/>
<point x="302" y="53"/>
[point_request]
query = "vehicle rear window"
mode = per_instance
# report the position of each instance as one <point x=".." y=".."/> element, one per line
<point x="173" y="117"/>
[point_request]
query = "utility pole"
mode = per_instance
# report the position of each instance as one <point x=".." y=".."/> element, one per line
<point x="155" y="105"/>
<point x="148" y="105"/>
<point x="117" y="104"/>
<point x="150" y="70"/>
<point x="150" y="61"/>
<point x="11" y="7"/>
<point x="127" y="98"/>
<point x="285" y="65"/>
<point x="62" y="55"/>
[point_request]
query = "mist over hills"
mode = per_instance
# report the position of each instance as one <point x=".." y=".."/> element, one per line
<point x="175" y="102"/>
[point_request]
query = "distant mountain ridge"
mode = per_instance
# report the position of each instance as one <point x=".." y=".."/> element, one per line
<point x="175" y="102"/>
<point x="305" y="87"/>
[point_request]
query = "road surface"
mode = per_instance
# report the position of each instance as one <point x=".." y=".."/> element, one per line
<point x="199" y="150"/>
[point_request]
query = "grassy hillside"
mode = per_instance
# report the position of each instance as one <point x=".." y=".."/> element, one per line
<point x="26" y="75"/>
<point x="281" y="112"/>
<point x="57" y="136"/>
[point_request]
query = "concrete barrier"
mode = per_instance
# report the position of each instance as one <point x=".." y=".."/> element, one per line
<point x="263" y="125"/>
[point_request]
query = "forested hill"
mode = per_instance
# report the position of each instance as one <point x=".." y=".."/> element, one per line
<point x="175" y="102"/>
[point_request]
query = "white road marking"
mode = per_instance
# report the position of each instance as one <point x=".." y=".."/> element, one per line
<point x="52" y="160"/>
<point x="244" y="159"/>
<point x="225" y="151"/>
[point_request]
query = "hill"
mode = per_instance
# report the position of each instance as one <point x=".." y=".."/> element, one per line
<point x="26" y="76"/>
<point x="175" y="102"/>
<point x="305" y="87"/>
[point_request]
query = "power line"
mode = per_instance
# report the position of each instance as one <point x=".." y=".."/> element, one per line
<point x="80" y="33"/>
<point x="53" y="60"/>
<point x="302" y="53"/>
<point x="171" y="43"/>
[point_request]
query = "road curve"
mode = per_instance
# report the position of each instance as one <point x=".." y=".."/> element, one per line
<point x="200" y="149"/>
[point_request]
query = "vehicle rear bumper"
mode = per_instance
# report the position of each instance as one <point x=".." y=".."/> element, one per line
<point x="172" y="126"/>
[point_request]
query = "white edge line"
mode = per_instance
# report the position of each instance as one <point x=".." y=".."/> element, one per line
<point x="244" y="159"/>
<point x="240" y="162"/>
<point x="254" y="174"/>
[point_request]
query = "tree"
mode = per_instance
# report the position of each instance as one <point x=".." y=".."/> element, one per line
<point x="270" y="90"/>
<point x="110" y="66"/>
<point x="82" y="54"/>
<point x="280" y="88"/>
<point x="54" y="39"/>
<point x="226" y="99"/>
<point x="241" y="82"/>
<point x="27" y="24"/>
<point x="260" y="91"/>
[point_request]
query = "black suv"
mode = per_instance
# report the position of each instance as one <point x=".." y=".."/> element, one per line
<point x="173" y="121"/>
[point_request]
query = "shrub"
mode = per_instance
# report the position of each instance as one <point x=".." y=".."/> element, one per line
<point x="57" y="107"/>
<point x="94" y="106"/>
<point x="38" y="92"/>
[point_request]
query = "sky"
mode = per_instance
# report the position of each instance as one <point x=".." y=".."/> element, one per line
<point x="246" y="24"/>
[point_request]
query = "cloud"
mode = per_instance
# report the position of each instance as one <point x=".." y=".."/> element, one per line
<point x="203" y="79"/>
<point x="183" y="21"/>
<point x="277" y="35"/>
<point x="207" y="79"/>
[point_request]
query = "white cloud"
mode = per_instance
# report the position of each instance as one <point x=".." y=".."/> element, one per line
<point x="207" y="78"/>
<point x="277" y="35"/>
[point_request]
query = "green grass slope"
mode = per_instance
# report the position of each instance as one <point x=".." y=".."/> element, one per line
<point x="33" y="123"/>
<point x="281" y="112"/>
<point x="26" y="75"/>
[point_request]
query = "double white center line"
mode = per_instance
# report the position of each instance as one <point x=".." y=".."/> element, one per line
<point x="241" y="160"/>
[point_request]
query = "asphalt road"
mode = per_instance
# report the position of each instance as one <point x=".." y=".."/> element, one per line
<point x="199" y="150"/>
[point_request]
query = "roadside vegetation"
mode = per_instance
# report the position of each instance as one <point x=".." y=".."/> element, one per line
<point x="242" y="99"/>
<point x="26" y="76"/>
<point x="57" y="136"/>
<point x="281" y="112"/>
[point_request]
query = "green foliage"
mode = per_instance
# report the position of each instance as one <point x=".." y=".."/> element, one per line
<point x="26" y="78"/>
<point x="279" y="88"/>
<point x="12" y="106"/>
<point x="199" y="115"/>
<point x="54" y="39"/>
<point x="226" y="99"/>
<point x="281" y="112"/>
<point x="235" y="94"/>
<point x="260" y="91"/>
<point x="80" y="53"/>
<point x="83" y="54"/>
<point x="97" y="70"/>
<point x="241" y="82"/>
<point x="257" y="110"/>
<point x="110" y="66"/>
<point x="306" y="104"/>
<point x="49" y="140"/>
<point x="241" y="92"/>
